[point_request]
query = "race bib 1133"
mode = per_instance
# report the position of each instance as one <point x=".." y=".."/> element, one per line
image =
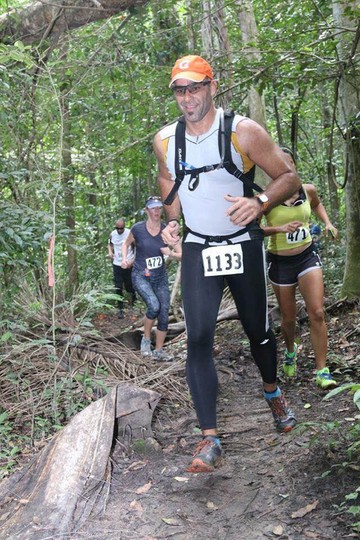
<point x="223" y="260"/>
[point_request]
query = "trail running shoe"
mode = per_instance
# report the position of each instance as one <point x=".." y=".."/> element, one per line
<point x="324" y="379"/>
<point x="120" y="314"/>
<point x="289" y="365"/>
<point x="207" y="455"/>
<point x="145" y="347"/>
<point x="161" y="356"/>
<point x="284" y="418"/>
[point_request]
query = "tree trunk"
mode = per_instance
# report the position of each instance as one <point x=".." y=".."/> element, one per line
<point x="215" y="42"/>
<point x="295" y="120"/>
<point x="249" y="34"/>
<point x="330" y="173"/>
<point x="44" y="19"/>
<point x="278" y="120"/>
<point x="190" y="34"/>
<point x="93" y="203"/>
<point x="224" y="48"/>
<point x="176" y="285"/>
<point x="206" y="31"/>
<point x="349" y="106"/>
<point x="67" y="181"/>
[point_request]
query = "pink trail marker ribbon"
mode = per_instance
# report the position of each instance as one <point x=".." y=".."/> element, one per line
<point x="51" y="277"/>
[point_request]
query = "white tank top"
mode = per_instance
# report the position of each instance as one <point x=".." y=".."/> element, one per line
<point x="205" y="208"/>
<point x="117" y="241"/>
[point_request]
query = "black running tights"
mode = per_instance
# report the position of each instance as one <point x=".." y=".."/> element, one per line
<point x="201" y="298"/>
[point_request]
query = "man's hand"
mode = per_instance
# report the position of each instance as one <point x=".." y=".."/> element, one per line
<point x="172" y="252"/>
<point x="243" y="210"/>
<point x="170" y="234"/>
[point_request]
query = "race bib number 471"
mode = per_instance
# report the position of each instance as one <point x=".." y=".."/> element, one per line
<point x="223" y="260"/>
<point x="298" y="236"/>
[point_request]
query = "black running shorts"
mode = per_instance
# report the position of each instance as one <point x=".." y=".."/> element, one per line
<point x="284" y="270"/>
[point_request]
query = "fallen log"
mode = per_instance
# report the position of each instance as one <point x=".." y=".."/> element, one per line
<point x="132" y="338"/>
<point x="70" y="478"/>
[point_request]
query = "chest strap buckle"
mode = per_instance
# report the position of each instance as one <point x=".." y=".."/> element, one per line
<point x="216" y="239"/>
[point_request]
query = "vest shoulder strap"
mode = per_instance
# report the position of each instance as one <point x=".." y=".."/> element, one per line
<point x="248" y="177"/>
<point x="226" y="161"/>
<point x="180" y="155"/>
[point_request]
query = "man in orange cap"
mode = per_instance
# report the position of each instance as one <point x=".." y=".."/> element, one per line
<point x="223" y="241"/>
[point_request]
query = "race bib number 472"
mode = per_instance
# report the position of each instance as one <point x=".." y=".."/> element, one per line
<point x="153" y="262"/>
<point x="223" y="260"/>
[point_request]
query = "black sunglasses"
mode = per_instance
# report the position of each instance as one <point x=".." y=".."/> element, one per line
<point x="192" y="88"/>
<point x="119" y="228"/>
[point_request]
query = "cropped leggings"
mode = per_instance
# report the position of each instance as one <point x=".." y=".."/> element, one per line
<point x="154" y="290"/>
<point x="201" y="299"/>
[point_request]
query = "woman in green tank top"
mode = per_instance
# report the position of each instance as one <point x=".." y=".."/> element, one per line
<point x="294" y="262"/>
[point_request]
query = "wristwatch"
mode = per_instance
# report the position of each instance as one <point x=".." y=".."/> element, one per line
<point x="263" y="200"/>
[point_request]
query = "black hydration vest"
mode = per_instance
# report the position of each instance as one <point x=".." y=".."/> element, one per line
<point x="226" y="162"/>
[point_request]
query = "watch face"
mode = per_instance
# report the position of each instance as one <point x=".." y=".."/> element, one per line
<point x="263" y="198"/>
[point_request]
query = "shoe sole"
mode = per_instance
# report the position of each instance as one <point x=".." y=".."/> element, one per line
<point x="162" y="360"/>
<point x="286" y="429"/>
<point x="332" y="384"/>
<point x="198" y="466"/>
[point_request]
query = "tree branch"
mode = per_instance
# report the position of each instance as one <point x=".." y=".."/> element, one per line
<point x="45" y="18"/>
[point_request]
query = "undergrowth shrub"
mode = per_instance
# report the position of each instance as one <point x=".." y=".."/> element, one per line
<point x="342" y="441"/>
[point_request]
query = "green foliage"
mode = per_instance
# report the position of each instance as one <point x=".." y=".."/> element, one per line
<point x="21" y="241"/>
<point x="341" y="439"/>
<point x="337" y="440"/>
<point x="17" y="53"/>
<point x="12" y="444"/>
<point x="332" y="257"/>
<point x="61" y="400"/>
<point x="353" y="509"/>
<point x="39" y="372"/>
<point x="352" y="388"/>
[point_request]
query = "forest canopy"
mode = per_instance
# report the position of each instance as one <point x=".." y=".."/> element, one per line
<point x="85" y="88"/>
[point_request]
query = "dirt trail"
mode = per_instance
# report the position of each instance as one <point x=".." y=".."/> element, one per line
<point x="265" y="477"/>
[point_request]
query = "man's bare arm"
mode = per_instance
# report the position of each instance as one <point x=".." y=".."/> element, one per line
<point x="110" y="249"/>
<point x="262" y="151"/>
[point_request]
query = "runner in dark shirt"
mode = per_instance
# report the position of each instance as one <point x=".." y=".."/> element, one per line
<point x="149" y="276"/>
